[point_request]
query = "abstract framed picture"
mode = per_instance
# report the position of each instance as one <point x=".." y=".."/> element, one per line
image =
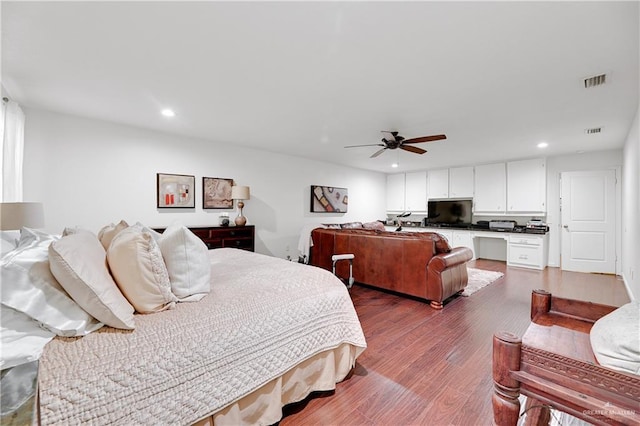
<point x="216" y="193"/>
<point x="175" y="191"/>
<point x="327" y="199"/>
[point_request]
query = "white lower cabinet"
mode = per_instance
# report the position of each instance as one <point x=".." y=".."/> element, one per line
<point x="463" y="239"/>
<point x="456" y="238"/>
<point x="528" y="251"/>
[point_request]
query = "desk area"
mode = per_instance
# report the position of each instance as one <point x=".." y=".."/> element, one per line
<point x="523" y="250"/>
<point x="516" y="248"/>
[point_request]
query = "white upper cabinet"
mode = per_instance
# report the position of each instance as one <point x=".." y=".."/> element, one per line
<point x="527" y="186"/>
<point x="490" y="188"/>
<point x="415" y="192"/>
<point x="461" y="182"/>
<point x="438" y="184"/>
<point x="395" y="192"/>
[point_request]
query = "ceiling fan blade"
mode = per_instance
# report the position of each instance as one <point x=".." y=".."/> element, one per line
<point x="425" y="139"/>
<point x="390" y="136"/>
<point x="414" y="149"/>
<point x="375" y="154"/>
<point x="357" y="146"/>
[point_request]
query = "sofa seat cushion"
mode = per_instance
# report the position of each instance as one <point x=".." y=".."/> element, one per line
<point x="615" y="339"/>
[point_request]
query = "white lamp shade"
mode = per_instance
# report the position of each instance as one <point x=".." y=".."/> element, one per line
<point x="17" y="215"/>
<point x="240" y="192"/>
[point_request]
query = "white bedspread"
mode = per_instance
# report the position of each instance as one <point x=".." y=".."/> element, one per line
<point x="263" y="316"/>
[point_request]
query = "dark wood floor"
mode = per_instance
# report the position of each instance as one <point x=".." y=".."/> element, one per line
<point x="427" y="367"/>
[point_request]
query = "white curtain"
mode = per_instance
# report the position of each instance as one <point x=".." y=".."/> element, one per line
<point x="11" y="154"/>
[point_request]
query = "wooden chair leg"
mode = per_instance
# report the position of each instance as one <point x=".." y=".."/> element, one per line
<point x="506" y="358"/>
<point x="436" y="305"/>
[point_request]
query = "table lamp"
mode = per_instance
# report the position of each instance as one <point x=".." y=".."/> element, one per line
<point x="17" y="215"/>
<point x="240" y="193"/>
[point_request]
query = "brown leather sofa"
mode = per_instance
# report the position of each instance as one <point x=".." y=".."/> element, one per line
<point x="419" y="264"/>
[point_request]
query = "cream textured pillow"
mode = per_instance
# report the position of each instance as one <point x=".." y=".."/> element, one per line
<point x="78" y="261"/>
<point x="187" y="260"/>
<point x="137" y="266"/>
<point x="107" y="233"/>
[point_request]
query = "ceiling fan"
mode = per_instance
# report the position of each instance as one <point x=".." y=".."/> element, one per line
<point x="391" y="140"/>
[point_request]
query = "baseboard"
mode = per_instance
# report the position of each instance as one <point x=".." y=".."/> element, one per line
<point x="628" y="288"/>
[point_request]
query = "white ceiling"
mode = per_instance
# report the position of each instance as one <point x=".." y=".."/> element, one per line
<point x="308" y="78"/>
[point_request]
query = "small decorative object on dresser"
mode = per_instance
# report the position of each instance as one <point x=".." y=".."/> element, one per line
<point x="240" y="193"/>
<point x="175" y="191"/>
<point x="241" y="237"/>
<point x="216" y="193"/>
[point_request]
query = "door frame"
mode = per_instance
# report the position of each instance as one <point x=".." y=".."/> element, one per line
<point x="617" y="214"/>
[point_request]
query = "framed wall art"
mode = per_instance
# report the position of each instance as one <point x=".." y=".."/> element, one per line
<point x="327" y="199"/>
<point x="216" y="193"/>
<point x="176" y="191"/>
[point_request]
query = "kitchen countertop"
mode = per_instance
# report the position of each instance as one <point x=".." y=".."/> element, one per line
<point x="467" y="227"/>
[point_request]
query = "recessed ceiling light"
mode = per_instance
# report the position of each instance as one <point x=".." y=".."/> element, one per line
<point x="168" y="112"/>
<point x="543" y="145"/>
<point x="394" y="165"/>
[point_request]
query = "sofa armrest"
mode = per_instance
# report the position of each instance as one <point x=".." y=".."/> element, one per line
<point x="456" y="256"/>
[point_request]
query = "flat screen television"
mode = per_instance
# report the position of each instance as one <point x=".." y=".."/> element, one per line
<point x="449" y="212"/>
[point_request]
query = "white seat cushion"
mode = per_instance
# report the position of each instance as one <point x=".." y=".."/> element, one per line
<point x="615" y="339"/>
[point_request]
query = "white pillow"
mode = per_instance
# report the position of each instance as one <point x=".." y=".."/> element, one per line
<point x="78" y="261"/>
<point x="29" y="287"/>
<point x="187" y="260"/>
<point x="137" y="266"/>
<point x="22" y="339"/>
<point x="107" y="233"/>
<point x="615" y="339"/>
<point x="155" y="234"/>
<point x="8" y="241"/>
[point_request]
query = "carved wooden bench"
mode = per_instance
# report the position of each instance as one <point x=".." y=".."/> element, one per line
<point x="554" y="366"/>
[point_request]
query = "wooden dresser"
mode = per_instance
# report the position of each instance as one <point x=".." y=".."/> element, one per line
<point x="241" y="237"/>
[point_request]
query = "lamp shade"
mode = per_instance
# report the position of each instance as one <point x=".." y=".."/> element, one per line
<point x="17" y="215"/>
<point x="240" y="192"/>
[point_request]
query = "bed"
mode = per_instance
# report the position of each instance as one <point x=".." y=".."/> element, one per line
<point x="268" y="333"/>
<point x="578" y="357"/>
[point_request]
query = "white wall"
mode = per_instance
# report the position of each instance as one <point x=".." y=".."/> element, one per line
<point x="599" y="160"/>
<point x="89" y="173"/>
<point x="631" y="210"/>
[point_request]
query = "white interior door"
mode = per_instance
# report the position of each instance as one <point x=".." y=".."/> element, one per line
<point x="588" y="221"/>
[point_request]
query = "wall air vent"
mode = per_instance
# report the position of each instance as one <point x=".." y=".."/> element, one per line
<point x="593" y="130"/>
<point x="596" y="80"/>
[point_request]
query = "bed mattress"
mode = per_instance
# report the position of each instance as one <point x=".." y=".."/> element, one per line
<point x="263" y="317"/>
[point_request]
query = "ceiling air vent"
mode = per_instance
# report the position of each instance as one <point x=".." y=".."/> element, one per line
<point x="593" y="130"/>
<point x="596" y="80"/>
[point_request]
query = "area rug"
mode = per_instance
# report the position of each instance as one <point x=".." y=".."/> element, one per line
<point x="479" y="278"/>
